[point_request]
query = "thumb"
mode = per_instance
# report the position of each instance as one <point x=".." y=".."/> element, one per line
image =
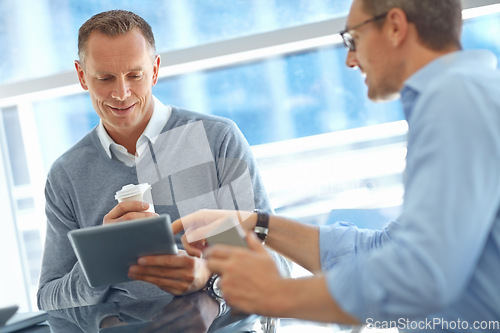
<point x="177" y="226"/>
<point x="254" y="243"/>
<point x="195" y="250"/>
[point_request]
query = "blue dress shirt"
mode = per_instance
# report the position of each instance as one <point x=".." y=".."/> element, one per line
<point x="440" y="261"/>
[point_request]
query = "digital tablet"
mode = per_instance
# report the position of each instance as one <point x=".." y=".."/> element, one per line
<point x="26" y="322"/>
<point x="6" y="313"/>
<point x="106" y="252"/>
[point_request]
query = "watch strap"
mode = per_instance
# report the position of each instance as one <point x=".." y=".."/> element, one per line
<point x="262" y="227"/>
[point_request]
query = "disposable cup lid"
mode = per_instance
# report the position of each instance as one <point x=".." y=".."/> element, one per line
<point x="131" y="190"/>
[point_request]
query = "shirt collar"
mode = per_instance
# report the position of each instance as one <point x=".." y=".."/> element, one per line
<point x="159" y="118"/>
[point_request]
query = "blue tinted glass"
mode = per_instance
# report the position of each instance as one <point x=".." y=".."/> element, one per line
<point x="61" y="123"/>
<point x="43" y="40"/>
<point x="274" y="100"/>
<point x="482" y="32"/>
<point x="284" y="98"/>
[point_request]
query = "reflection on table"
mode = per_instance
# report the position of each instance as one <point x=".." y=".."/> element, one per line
<point x="193" y="313"/>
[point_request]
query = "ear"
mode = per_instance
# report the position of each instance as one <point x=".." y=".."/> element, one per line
<point x="81" y="75"/>
<point x="156" y="68"/>
<point x="398" y="26"/>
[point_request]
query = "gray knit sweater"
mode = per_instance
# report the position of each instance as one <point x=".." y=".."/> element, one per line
<point x="199" y="161"/>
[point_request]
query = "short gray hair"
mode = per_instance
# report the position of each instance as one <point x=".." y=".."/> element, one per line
<point x="114" y="23"/>
<point x="438" y="22"/>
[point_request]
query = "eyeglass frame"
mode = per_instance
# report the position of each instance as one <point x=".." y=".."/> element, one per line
<point x="346" y="34"/>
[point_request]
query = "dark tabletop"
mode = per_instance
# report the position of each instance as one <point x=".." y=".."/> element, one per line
<point x="196" y="313"/>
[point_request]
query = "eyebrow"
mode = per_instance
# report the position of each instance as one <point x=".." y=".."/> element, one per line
<point x="136" y="69"/>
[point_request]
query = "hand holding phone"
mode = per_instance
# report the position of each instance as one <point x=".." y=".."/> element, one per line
<point x="228" y="232"/>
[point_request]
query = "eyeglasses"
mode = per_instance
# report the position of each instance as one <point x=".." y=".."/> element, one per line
<point x="346" y="34"/>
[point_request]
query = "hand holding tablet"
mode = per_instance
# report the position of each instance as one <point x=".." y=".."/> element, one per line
<point x="106" y="252"/>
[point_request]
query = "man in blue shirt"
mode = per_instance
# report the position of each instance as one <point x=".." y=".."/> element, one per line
<point x="436" y="267"/>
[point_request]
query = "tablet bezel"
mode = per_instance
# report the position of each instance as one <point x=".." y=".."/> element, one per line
<point x="106" y="252"/>
<point x="6" y="313"/>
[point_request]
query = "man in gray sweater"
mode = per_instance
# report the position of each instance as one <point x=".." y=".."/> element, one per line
<point x="192" y="161"/>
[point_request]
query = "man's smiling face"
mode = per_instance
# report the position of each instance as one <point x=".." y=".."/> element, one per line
<point x="375" y="55"/>
<point x="119" y="73"/>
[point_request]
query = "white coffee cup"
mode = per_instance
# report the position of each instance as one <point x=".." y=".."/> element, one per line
<point x="141" y="192"/>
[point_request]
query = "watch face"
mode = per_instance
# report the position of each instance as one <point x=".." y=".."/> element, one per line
<point x="216" y="288"/>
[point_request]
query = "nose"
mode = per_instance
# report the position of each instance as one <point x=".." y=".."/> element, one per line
<point x="351" y="60"/>
<point x="121" y="91"/>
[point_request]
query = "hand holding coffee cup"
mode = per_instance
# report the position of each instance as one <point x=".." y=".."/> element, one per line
<point x="141" y="192"/>
<point x="131" y="205"/>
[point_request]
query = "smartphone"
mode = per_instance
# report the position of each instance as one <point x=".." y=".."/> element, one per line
<point x="235" y="236"/>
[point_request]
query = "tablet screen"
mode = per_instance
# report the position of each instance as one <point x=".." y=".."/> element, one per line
<point x="106" y="252"/>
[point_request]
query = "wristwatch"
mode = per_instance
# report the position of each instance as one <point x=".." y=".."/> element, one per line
<point x="262" y="227"/>
<point x="212" y="288"/>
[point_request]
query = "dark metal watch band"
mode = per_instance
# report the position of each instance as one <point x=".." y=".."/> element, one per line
<point x="262" y="227"/>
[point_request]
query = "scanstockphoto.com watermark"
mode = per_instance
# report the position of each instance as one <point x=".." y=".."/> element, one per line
<point x="434" y="324"/>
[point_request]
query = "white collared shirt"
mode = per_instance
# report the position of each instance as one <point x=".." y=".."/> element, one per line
<point x="159" y="118"/>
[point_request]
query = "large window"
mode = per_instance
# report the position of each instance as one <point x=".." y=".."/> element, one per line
<point x="319" y="142"/>
<point x="39" y="37"/>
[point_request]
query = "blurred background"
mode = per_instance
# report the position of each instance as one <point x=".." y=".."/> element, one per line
<point x="275" y="67"/>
